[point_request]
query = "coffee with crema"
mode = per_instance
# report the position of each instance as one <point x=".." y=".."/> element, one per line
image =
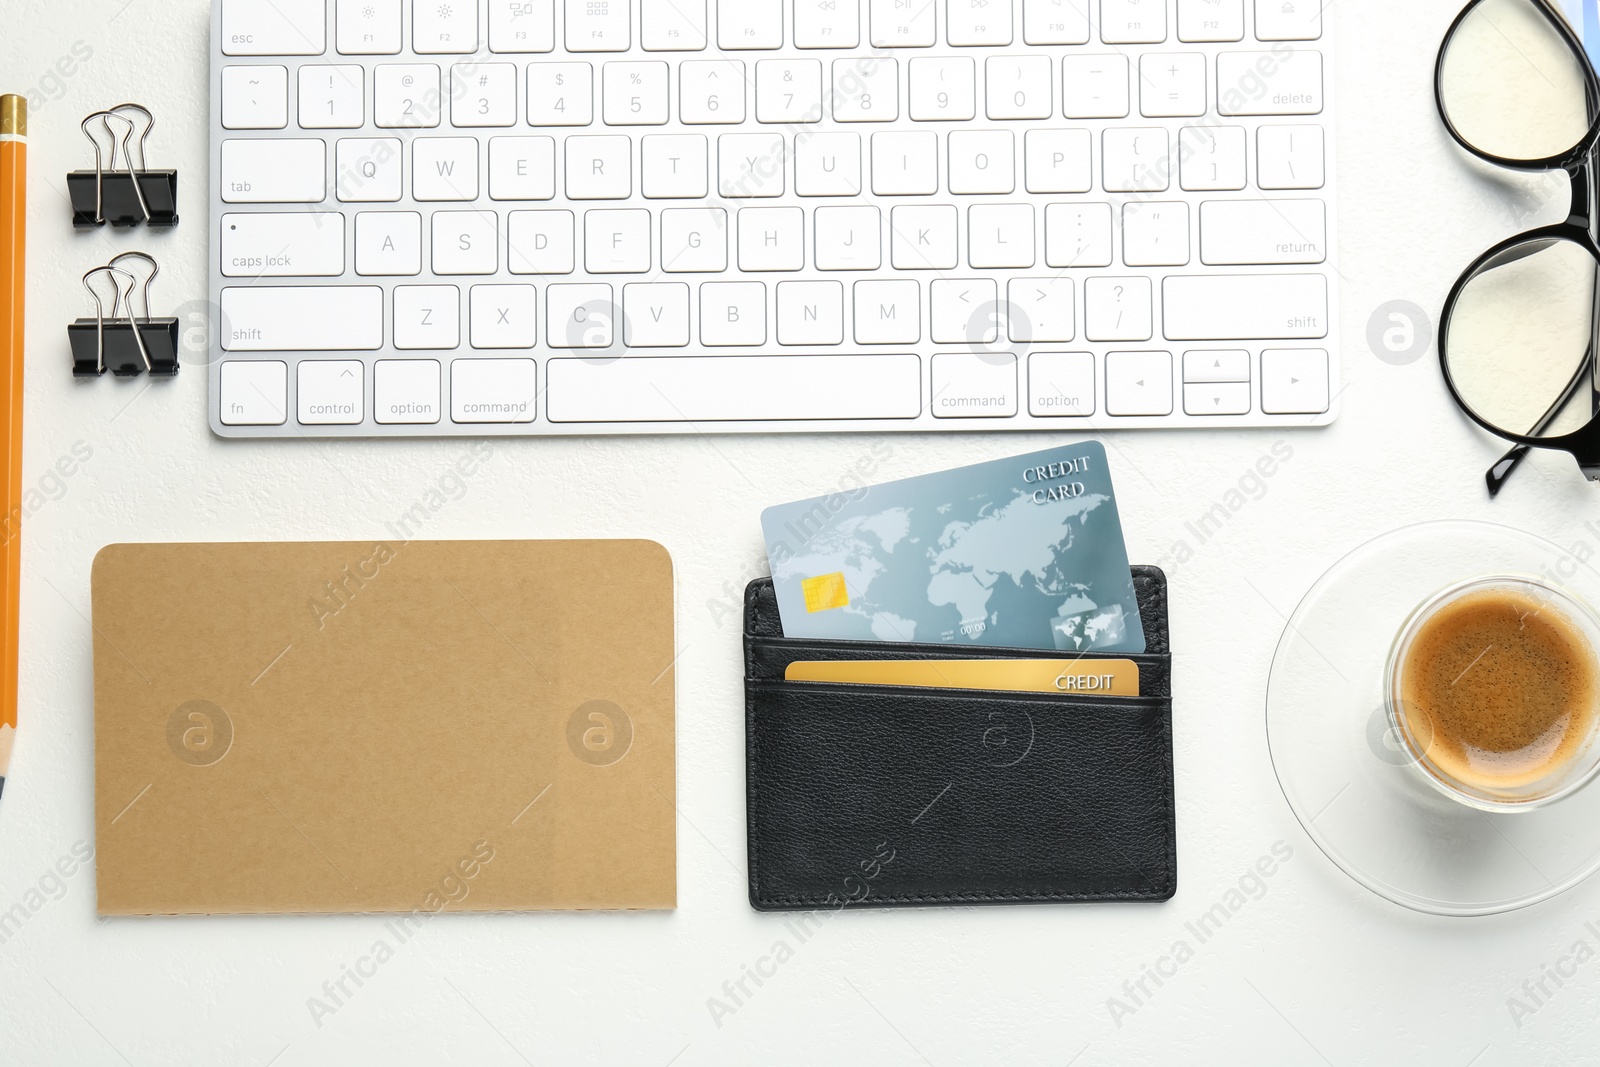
<point x="1500" y="689"/>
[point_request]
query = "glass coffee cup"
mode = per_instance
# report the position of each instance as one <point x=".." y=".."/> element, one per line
<point x="1493" y="685"/>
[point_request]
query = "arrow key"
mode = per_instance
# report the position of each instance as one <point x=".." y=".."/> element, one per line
<point x="1217" y="398"/>
<point x="1138" y="383"/>
<point x="1217" y="366"/>
<point x="1294" y="381"/>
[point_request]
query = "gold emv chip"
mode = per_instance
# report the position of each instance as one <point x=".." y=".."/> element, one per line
<point x="824" y="592"/>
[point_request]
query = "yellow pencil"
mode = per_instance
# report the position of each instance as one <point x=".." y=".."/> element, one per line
<point x="13" y="225"/>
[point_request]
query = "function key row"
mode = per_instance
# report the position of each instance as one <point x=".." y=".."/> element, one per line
<point x="377" y="27"/>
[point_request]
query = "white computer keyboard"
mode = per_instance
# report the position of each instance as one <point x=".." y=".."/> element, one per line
<point x="642" y="216"/>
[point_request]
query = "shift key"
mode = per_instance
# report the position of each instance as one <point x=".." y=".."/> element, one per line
<point x="302" y="318"/>
<point x="1228" y="307"/>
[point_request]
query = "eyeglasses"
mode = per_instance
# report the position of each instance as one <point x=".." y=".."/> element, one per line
<point x="1518" y="331"/>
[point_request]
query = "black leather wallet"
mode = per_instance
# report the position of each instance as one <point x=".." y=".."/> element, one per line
<point x="871" y="795"/>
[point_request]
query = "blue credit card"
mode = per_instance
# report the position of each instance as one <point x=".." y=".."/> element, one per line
<point x="1025" y="553"/>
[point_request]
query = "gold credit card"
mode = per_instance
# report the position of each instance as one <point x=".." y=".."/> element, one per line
<point x="1069" y="677"/>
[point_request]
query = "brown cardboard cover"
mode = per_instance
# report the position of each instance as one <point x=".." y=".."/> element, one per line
<point x="384" y="726"/>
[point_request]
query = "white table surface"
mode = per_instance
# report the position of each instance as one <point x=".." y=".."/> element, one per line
<point x="1317" y="970"/>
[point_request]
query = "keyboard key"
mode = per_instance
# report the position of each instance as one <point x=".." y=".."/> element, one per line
<point x="866" y="88"/>
<point x="539" y="242"/>
<point x="444" y="27"/>
<point x="733" y="313"/>
<point x="771" y="238"/>
<point x="905" y="163"/>
<point x="281" y="170"/>
<point x="674" y="165"/>
<point x="1294" y="381"/>
<point x="388" y="243"/>
<point x="1134" y="160"/>
<point x="1289" y="157"/>
<point x="848" y="238"/>
<point x="943" y="88"/>
<point x="1227" y="365"/>
<point x="268" y="244"/>
<point x="810" y="313"/>
<point x="331" y="97"/>
<point x="427" y="316"/>
<point x="466" y="242"/>
<point x="901" y="23"/>
<point x="1217" y="398"/>
<point x="282" y="28"/>
<point x="560" y="94"/>
<point x="295" y="318"/>
<point x="1057" y="161"/>
<point x="1017" y="87"/>
<point x="1210" y="20"/>
<point x="502" y="316"/>
<point x="828" y="164"/>
<point x="255" y="98"/>
<point x="1000" y="235"/>
<point x="1288" y="20"/>
<point x="972" y="385"/>
<point x="1133" y="21"/>
<point x="1040" y="309"/>
<point x="1077" y="235"/>
<point x="789" y="90"/>
<point x="493" y="390"/>
<point x="1172" y="84"/>
<point x="1211" y="157"/>
<point x="405" y="390"/>
<point x="367" y="170"/>
<point x="827" y="23"/>
<point x="580" y="316"/>
<point x="1116" y="309"/>
<point x="694" y="240"/>
<point x="743" y="24"/>
<point x="1094" y="87"/>
<point x="1263" y="231"/>
<point x="483" y="94"/>
<point x="672" y="25"/>
<point x="1055" y="21"/>
<point x="978" y="22"/>
<point x="888" y="312"/>
<point x="1221" y="307"/>
<point x="598" y="25"/>
<point x="1138" y="383"/>
<point x="444" y="168"/>
<point x="735" y="388"/>
<point x="522" y="25"/>
<point x="599" y="168"/>
<point x="1061" y="383"/>
<point x="253" y="392"/>
<point x="750" y="165"/>
<point x="330" y="392"/>
<point x="711" y="91"/>
<point x="367" y="27"/>
<point x="634" y="94"/>
<point x="964" y="311"/>
<point x="1284" y="82"/>
<point x="405" y="95"/>
<point x="616" y="242"/>
<point x="522" y="168"/>
<point x="923" y="238"/>
<point x="982" y="161"/>
<point x="655" y="315"/>
<point x="1155" y="233"/>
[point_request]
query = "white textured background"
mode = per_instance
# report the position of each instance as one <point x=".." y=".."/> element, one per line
<point x="1315" y="971"/>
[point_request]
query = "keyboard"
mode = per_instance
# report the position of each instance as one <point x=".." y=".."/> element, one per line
<point x="533" y="217"/>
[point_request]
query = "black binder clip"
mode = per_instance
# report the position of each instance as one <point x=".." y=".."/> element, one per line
<point x="122" y="197"/>
<point x="127" y="345"/>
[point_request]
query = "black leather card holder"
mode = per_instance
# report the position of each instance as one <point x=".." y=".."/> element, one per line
<point x="899" y="796"/>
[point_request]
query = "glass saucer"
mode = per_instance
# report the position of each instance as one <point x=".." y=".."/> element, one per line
<point x="1350" y="780"/>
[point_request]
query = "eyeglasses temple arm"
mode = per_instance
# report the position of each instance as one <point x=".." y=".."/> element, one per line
<point x="1495" y="477"/>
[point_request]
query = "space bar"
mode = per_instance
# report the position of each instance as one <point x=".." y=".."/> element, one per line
<point x="734" y="388"/>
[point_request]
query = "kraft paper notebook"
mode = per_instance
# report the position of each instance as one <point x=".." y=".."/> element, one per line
<point x="384" y="727"/>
